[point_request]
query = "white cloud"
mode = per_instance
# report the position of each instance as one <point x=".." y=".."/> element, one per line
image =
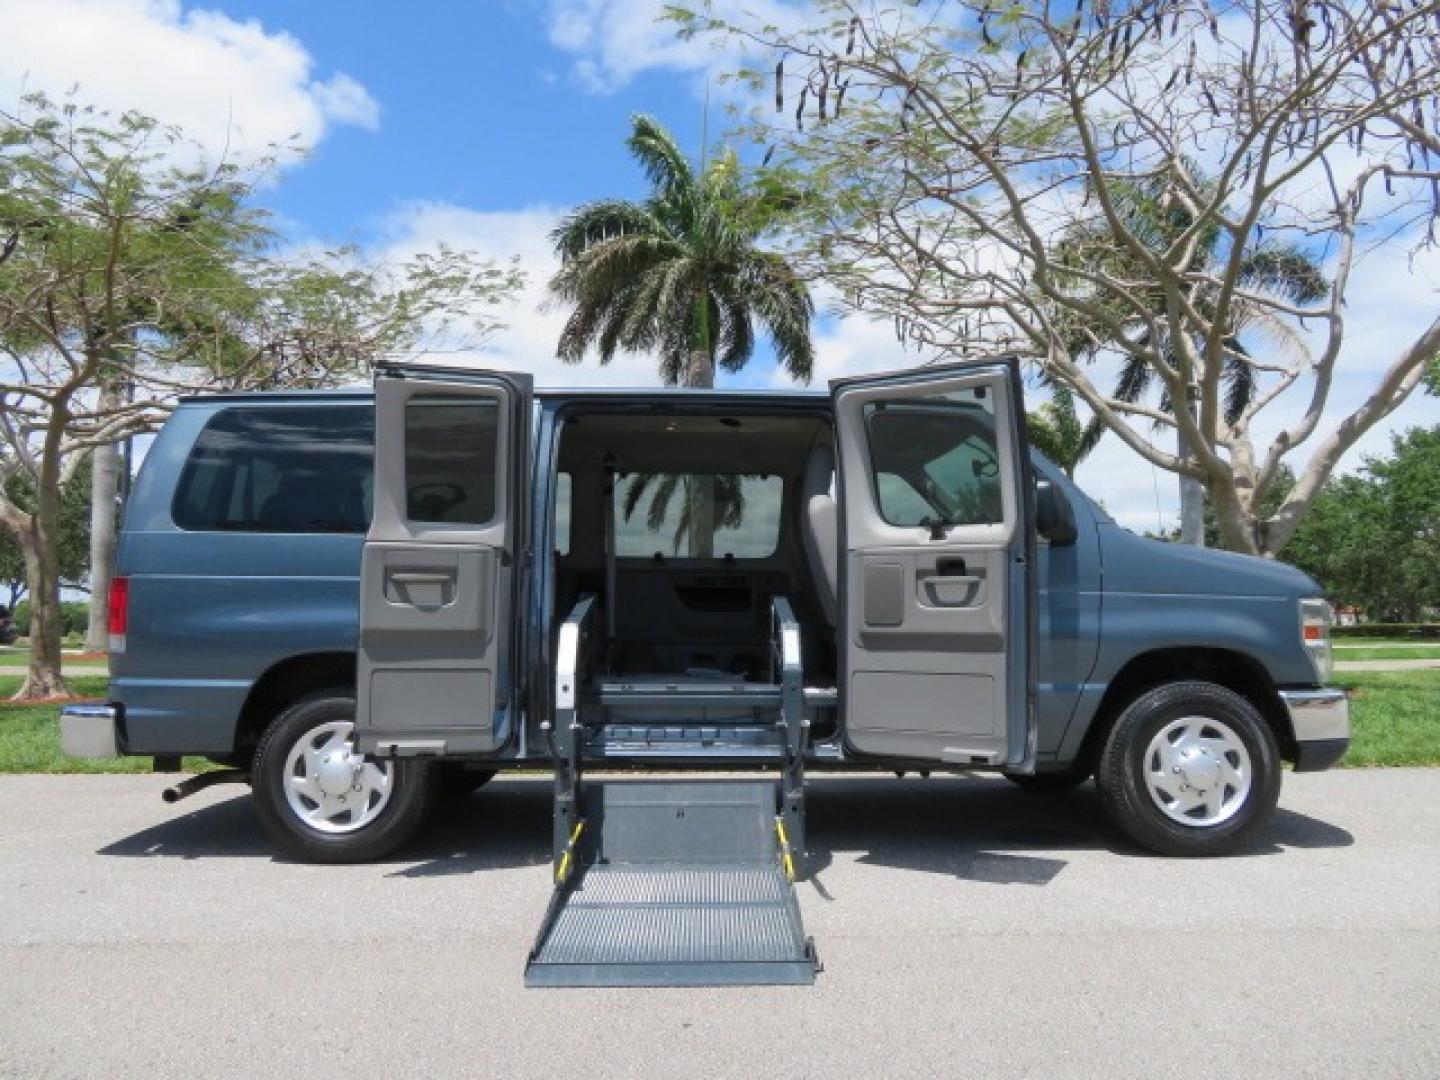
<point x="532" y="329"/>
<point x="233" y="86"/>
<point x="613" y="41"/>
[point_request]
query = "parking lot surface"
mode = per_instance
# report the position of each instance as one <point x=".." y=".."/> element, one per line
<point x="966" y="927"/>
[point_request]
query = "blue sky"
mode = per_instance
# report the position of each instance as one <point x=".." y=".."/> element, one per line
<point x="478" y="108"/>
<point x="479" y="123"/>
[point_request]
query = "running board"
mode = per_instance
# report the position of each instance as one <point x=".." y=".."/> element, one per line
<point x="675" y="883"/>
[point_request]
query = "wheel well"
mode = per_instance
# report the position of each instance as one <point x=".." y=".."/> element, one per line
<point x="1232" y="670"/>
<point x="286" y="682"/>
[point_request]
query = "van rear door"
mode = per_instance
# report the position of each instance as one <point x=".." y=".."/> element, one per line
<point x="439" y="572"/>
<point x="936" y="593"/>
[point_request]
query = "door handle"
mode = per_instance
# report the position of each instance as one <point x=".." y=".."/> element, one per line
<point x="950" y="567"/>
<point x="415" y="577"/>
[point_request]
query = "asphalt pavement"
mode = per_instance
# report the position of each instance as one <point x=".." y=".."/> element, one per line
<point x="966" y="927"/>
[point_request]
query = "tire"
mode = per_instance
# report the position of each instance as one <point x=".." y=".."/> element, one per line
<point x="397" y="792"/>
<point x="1190" y="768"/>
<point x="1066" y="780"/>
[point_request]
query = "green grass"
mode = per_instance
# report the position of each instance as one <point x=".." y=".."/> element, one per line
<point x="1396" y="718"/>
<point x="19" y="658"/>
<point x="30" y="737"/>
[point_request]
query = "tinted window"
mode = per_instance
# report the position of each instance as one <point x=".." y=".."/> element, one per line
<point x="935" y="459"/>
<point x="562" y="513"/>
<point x="281" y="469"/>
<point x="653" y="514"/>
<point x="450" y="458"/>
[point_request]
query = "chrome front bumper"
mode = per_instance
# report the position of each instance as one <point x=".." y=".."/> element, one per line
<point x="90" y="731"/>
<point x="1321" y="722"/>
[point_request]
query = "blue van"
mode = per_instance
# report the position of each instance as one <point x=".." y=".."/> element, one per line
<point x="356" y="600"/>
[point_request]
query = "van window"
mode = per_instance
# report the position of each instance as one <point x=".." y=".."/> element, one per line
<point x="563" y="489"/>
<point x="935" y="459"/>
<point x="450" y="450"/>
<point x="652" y="515"/>
<point x="280" y="469"/>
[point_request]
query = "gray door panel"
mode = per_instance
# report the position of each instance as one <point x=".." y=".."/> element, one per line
<point x="437" y="571"/>
<point x="934" y="658"/>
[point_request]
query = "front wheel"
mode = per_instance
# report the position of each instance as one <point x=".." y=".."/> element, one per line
<point x="1190" y="768"/>
<point x="320" y="801"/>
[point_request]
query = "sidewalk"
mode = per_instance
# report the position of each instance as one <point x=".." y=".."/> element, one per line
<point x="1386" y="665"/>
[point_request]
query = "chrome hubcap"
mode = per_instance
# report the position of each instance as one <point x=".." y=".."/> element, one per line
<point x="1198" y="771"/>
<point x="329" y="786"/>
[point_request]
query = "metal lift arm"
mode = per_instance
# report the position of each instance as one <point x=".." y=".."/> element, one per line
<point x="571" y="654"/>
<point x="788" y="673"/>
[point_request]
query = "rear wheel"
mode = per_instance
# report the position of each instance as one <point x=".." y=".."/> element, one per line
<point x="320" y="801"/>
<point x="1190" y="768"/>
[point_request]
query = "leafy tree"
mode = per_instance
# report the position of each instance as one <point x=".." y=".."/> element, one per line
<point x="1282" y="272"/>
<point x="128" y="276"/>
<point x="946" y="151"/>
<point x="1373" y="539"/>
<point x="74" y="541"/>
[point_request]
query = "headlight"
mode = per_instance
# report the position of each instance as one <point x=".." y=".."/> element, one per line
<point x="1315" y="620"/>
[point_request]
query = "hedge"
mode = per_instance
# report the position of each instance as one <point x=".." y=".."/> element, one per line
<point x="1390" y="630"/>
<point x="74" y="617"/>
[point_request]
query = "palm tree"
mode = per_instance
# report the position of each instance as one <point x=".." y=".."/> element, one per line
<point x="682" y="275"/>
<point x="1283" y="271"/>
<point x="1057" y="431"/>
<point x="727" y="493"/>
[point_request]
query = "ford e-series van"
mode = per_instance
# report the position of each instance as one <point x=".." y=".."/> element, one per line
<point x="358" y="600"/>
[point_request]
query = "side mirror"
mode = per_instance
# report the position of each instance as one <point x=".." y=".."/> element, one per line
<point x="1054" y="517"/>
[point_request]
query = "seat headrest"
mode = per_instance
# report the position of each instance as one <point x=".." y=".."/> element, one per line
<point x="820" y="468"/>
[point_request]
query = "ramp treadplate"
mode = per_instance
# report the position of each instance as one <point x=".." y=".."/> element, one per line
<point x="667" y="921"/>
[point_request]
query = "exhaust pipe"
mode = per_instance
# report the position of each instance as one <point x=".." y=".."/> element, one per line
<point x="201" y="781"/>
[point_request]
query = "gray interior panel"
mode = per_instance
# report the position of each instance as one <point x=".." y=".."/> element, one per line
<point x="927" y="603"/>
<point x="884" y="594"/>
<point x="435" y="603"/>
<point x="429" y="698"/>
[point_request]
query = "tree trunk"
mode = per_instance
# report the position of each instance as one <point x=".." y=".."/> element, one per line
<point x="104" y="488"/>
<point x="44" y="678"/>
<point x="701" y="488"/>
<point x="1192" y="497"/>
<point x="1192" y="512"/>
<point x="1239" y="530"/>
<point x="700" y="374"/>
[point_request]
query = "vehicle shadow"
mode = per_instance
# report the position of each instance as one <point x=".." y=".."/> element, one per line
<point x="966" y="827"/>
<point x="981" y="828"/>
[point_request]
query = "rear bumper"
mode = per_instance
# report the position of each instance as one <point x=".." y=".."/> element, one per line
<point x="1320" y="719"/>
<point x="90" y="731"/>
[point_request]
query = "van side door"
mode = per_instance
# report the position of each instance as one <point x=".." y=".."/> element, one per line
<point x="937" y="593"/>
<point x="440" y="567"/>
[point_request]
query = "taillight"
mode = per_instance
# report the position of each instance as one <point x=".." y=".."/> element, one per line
<point x="119" y="620"/>
<point x="1315" y="620"/>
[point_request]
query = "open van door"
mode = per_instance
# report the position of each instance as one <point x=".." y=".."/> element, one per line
<point x="439" y="569"/>
<point x="937" y="608"/>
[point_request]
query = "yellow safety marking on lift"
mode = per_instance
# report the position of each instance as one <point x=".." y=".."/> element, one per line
<point x="562" y="870"/>
<point x="785" y="857"/>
